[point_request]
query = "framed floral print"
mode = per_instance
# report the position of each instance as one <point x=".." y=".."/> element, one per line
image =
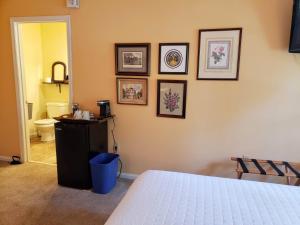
<point x="219" y="54"/>
<point x="171" y="98"/>
<point x="173" y="58"/>
<point x="132" y="91"/>
<point x="133" y="59"/>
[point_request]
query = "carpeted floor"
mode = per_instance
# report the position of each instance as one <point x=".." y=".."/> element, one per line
<point x="29" y="195"/>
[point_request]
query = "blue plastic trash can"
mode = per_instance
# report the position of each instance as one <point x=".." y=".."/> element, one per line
<point x="104" y="169"/>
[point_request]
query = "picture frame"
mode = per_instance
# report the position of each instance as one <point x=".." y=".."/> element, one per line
<point x="219" y="54"/>
<point x="132" y="59"/>
<point x="132" y="91"/>
<point x="173" y="58"/>
<point x="171" y="98"/>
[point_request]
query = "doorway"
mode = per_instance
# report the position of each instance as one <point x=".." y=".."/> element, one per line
<point x="42" y="54"/>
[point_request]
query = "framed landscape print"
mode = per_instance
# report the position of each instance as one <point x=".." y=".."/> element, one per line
<point x="173" y="58"/>
<point x="132" y="91"/>
<point x="133" y="59"/>
<point x="219" y="54"/>
<point x="171" y="98"/>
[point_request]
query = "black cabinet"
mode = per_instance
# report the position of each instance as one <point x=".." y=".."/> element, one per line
<point x="76" y="143"/>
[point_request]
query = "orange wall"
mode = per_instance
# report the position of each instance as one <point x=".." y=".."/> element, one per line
<point x="258" y="116"/>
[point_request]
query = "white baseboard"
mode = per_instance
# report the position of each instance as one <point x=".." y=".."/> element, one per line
<point x="5" y="158"/>
<point x="129" y="176"/>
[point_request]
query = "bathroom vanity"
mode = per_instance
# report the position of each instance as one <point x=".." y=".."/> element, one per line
<point x="77" y="141"/>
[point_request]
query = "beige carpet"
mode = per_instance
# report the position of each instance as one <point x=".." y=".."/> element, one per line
<point x="29" y="195"/>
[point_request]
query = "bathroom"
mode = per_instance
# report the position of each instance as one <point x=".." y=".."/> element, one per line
<point x="44" y="53"/>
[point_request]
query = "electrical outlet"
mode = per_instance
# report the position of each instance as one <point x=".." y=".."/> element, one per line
<point x="116" y="147"/>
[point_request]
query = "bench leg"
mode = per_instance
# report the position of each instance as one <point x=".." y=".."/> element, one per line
<point x="297" y="182"/>
<point x="239" y="175"/>
<point x="288" y="179"/>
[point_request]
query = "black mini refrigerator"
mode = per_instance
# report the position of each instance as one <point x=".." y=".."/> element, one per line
<point x="77" y="141"/>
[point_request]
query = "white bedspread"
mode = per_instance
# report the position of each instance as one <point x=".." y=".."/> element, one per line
<point x="169" y="198"/>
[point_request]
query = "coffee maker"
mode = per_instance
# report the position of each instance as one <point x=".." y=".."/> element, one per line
<point x="104" y="108"/>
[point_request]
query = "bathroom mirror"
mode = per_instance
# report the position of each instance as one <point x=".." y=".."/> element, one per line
<point x="59" y="72"/>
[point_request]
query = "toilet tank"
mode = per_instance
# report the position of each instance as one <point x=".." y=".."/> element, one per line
<point x="56" y="109"/>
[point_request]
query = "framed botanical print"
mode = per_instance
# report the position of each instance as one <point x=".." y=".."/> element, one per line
<point x="173" y="58"/>
<point x="171" y="98"/>
<point x="133" y="59"/>
<point x="219" y="54"/>
<point x="132" y="91"/>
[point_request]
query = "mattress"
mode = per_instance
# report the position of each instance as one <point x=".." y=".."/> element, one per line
<point x="170" y="198"/>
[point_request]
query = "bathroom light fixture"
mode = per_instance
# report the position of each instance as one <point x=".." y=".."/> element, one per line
<point x="73" y="3"/>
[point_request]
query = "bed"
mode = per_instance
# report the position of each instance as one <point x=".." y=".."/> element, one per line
<point x="170" y="198"/>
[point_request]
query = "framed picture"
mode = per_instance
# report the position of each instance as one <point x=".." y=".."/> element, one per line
<point x="173" y="58"/>
<point x="133" y="59"/>
<point x="219" y="54"/>
<point x="132" y="91"/>
<point x="171" y="98"/>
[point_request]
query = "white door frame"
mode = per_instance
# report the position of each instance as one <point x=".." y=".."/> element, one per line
<point x="19" y="73"/>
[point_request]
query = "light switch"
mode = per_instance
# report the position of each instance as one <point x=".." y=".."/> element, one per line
<point x="73" y="3"/>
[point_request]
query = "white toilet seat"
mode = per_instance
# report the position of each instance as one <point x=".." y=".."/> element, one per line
<point x="45" y="127"/>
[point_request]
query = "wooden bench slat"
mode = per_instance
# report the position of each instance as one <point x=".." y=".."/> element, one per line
<point x="258" y="166"/>
<point x="279" y="172"/>
<point x="264" y="161"/>
<point x="253" y="171"/>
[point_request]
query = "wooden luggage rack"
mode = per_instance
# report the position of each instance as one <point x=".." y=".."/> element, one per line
<point x="267" y="167"/>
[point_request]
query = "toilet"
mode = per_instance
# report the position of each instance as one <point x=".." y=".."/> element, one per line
<point x="45" y="127"/>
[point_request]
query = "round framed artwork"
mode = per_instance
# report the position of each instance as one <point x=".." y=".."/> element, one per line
<point x="173" y="58"/>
